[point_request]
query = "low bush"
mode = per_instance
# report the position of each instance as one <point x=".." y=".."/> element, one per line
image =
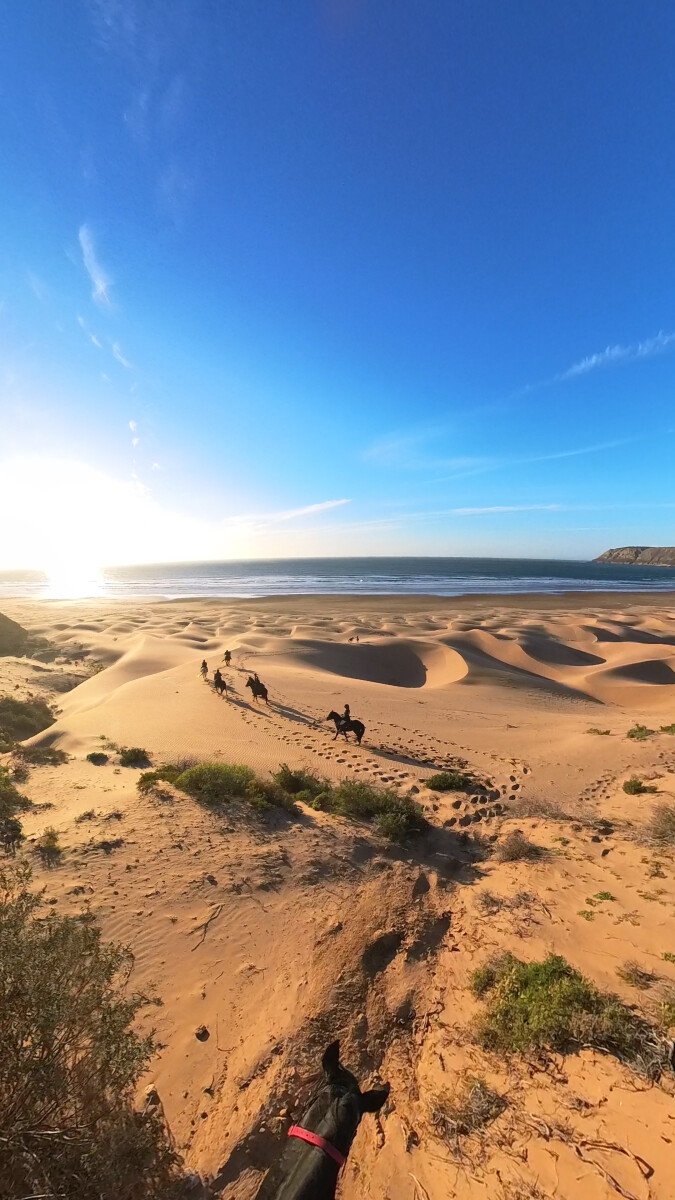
<point x="11" y="803"/>
<point x="452" y="781"/>
<point x="20" y="719"/>
<point x="71" y="1062"/>
<point x="40" y="756"/>
<point x="631" y="972"/>
<point x="474" y="1106"/>
<point x="639" y="733"/>
<point x="661" y="826"/>
<point x="214" y="784"/>
<point x="517" y="847"/>
<point x="395" y="817"/>
<point x="667" y="728"/>
<point x="48" y="847"/>
<point x="134" y="756"/>
<point x="635" y="787"/>
<point x="548" y="1005"/>
<point x="147" y="782"/>
<point x="98" y="758"/>
<point x="297" y="782"/>
<point x="599" y="732"/>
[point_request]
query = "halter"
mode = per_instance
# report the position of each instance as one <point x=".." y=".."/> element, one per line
<point x="315" y="1139"/>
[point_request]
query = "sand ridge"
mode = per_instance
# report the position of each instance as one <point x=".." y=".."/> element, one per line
<point x="278" y="936"/>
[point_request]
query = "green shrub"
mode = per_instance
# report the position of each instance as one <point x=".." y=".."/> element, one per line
<point x="484" y="978"/>
<point x="298" y="781"/>
<point x="21" y="719"/>
<point x="265" y="793"/>
<point x="48" y="847"/>
<point x="11" y="803"/>
<point x="98" y="758"/>
<point x="71" y="1062"/>
<point x="548" y="1005"/>
<point x="148" y="781"/>
<point x="635" y="787"/>
<point x="215" y="783"/>
<point x="639" y="733"/>
<point x="41" y="756"/>
<point x="451" y="781"/>
<point x="668" y="728"/>
<point x="599" y="732"/>
<point x="134" y="756"/>
<point x="395" y="817"/>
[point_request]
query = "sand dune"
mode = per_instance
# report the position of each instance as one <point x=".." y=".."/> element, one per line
<point x="278" y="934"/>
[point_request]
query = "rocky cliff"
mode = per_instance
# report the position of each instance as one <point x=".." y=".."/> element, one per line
<point x="640" y="556"/>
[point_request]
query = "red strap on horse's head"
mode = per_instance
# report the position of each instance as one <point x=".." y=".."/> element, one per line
<point x="315" y="1139"/>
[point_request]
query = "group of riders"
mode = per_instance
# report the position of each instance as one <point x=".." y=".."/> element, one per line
<point x="220" y="685"/>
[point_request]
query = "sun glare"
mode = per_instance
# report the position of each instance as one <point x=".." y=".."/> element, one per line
<point x="73" y="579"/>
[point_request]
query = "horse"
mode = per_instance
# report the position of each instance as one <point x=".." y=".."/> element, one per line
<point x="257" y="689"/>
<point x="219" y="683"/>
<point x="318" y="1147"/>
<point x="345" y="727"/>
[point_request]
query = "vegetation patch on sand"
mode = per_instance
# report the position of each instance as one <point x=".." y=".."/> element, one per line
<point x="49" y="847"/>
<point x="635" y="787"/>
<point x="20" y="719"/>
<point x="640" y="733"/>
<point x="302" y="784"/>
<point x="98" y="758"/>
<point x="632" y="973"/>
<point x="40" y="756"/>
<point x="395" y="817"/>
<point x="71" y="1061"/>
<point x="517" y="847"/>
<point x="134" y="756"/>
<point x="547" y="1005"/>
<point x="467" y="1112"/>
<point x="11" y="803"/>
<point x="217" y="784"/>
<point x="661" y="826"/>
<point x="452" y="781"/>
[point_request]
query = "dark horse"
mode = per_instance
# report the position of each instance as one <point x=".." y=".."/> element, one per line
<point x="310" y="1164"/>
<point x="345" y="727"/>
<point x="219" y="683"/>
<point x="258" y="689"/>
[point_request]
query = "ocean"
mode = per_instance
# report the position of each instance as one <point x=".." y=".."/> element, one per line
<point x="346" y="576"/>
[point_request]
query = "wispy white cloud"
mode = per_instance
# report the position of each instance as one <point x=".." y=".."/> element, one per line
<point x="95" y="341"/>
<point x="487" y="510"/>
<point x="287" y="514"/>
<point x="37" y="286"/>
<point x="618" y="354"/>
<point x="133" y="425"/>
<point x="120" y="356"/>
<point x="100" y="280"/>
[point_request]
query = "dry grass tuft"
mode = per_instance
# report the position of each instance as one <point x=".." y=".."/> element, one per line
<point x="517" y="847"/>
<point x="465" y="1113"/>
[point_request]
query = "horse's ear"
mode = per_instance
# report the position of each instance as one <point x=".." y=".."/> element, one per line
<point x="373" y="1101"/>
<point x="331" y="1060"/>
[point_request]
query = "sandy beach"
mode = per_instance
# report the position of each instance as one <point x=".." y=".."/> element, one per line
<point x="278" y="935"/>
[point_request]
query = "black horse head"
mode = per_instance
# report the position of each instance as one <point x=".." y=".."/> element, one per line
<point x="309" y="1166"/>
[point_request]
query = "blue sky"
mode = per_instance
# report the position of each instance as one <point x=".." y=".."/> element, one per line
<point x="335" y="277"/>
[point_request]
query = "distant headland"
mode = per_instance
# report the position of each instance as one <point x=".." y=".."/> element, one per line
<point x="640" y="556"/>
